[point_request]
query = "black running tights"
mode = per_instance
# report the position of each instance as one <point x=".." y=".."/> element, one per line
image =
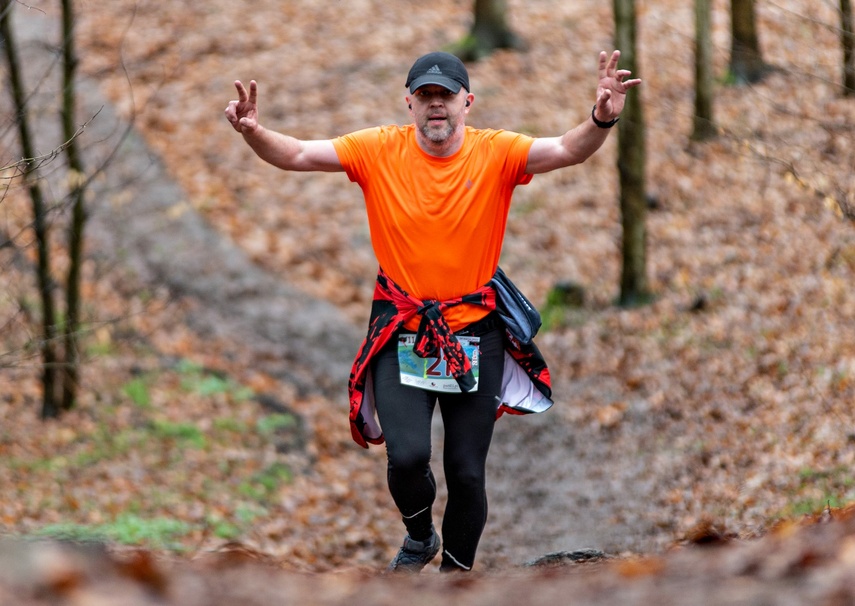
<point x="405" y="414"/>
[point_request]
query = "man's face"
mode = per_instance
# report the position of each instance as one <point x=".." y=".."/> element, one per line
<point x="438" y="111"/>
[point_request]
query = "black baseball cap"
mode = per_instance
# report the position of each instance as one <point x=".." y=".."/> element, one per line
<point x="439" y="68"/>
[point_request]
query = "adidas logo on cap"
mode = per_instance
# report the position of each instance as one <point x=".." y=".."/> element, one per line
<point x="434" y="70"/>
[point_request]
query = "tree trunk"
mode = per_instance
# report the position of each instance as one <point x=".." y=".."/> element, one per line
<point x="634" y="288"/>
<point x="45" y="284"/>
<point x="847" y="40"/>
<point x="746" y="61"/>
<point x="78" y="213"/>
<point x="489" y="31"/>
<point x="703" y="125"/>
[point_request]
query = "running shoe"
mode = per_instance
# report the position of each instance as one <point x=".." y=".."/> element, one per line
<point x="415" y="555"/>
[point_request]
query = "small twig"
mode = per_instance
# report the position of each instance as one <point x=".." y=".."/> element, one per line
<point x="40" y="160"/>
<point x="846" y="210"/>
<point x="30" y="8"/>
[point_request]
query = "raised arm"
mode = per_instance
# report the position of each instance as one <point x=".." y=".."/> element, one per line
<point x="579" y="143"/>
<point x="280" y="150"/>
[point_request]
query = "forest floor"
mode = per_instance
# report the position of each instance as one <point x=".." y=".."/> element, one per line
<point x="718" y="413"/>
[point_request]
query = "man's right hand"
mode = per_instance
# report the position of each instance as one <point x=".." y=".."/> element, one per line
<point x="280" y="150"/>
<point x="243" y="113"/>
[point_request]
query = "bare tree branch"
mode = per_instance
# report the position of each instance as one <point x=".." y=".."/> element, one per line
<point x="27" y="165"/>
<point x="838" y="201"/>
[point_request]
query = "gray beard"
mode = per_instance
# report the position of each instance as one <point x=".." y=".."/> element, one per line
<point x="438" y="136"/>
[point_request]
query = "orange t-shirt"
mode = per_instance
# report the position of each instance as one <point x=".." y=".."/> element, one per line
<point x="437" y="224"/>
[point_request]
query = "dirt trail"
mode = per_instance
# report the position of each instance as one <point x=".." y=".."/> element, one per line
<point x="811" y="565"/>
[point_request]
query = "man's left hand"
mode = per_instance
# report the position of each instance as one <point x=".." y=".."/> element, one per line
<point x="612" y="87"/>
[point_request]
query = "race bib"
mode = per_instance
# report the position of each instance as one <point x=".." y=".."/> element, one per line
<point x="432" y="373"/>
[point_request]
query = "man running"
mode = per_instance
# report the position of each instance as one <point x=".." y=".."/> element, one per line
<point x="437" y="195"/>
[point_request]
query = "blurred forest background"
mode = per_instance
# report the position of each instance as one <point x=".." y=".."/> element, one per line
<point x="200" y="417"/>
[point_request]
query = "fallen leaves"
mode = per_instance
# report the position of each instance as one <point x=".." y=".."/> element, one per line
<point x="740" y="406"/>
<point x="610" y="415"/>
<point x="810" y="564"/>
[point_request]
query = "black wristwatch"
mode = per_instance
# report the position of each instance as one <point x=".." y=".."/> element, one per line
<point x="600" y="123"/>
